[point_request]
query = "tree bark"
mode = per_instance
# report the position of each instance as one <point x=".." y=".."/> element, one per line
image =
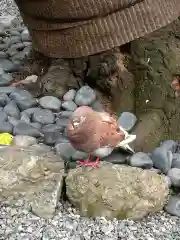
<point x="140" y="82"/>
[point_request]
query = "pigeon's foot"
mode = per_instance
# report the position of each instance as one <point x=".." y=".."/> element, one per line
<point x="86" y="162"/>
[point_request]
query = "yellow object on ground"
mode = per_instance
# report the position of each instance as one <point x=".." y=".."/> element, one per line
<point x="6" y="139"/>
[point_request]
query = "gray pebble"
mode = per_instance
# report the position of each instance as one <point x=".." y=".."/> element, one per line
<point x="142" y="160"/>
<point x="2" y="30"/>
<point x="4" y="99"/>
<point x="78" y="155"/>
<point x="50" y="102"/>
<point x="168" y="181"/>
<point x="62" y="122"/>
<point x="28" y="103"/>
<point x="25" y="118"/>
<point x="12" y="110"/>
<point x="85" y="96"/>
<point x="9" y="66"/>
<point x="70" y="95"/>
<point x="162" y="159"/>
<point x="3" y="46"/>
<point x="43" y="116"/>
<point x="174" y="175"/>
<point x="5" y="79"/>
<point x="11" y="51"/>
<point x="13" y="121"/>
<point x="24" y="140"/>
<point x="36" y="125"/>
<point x="23" y="128"/>
<point x="30" y="111"/>
<point x="25" y="35"/>
<point x="97" y="106"/>
<point x="20" y="95"/>
<point x="18" y="46"/>
<point x="176" y="160"/>
<point x="51" y="128"/>
<point x="61" y="139"/>
<point x="27" y="50"/>
<point x="173" y="206"/>
<point x="116" y="158"/>
<point x="27" y="44"/>
<point x="51" y="133"/>
<point x="127" y="120"/>
<point x="19" y="56"/>
<point x="3" y="116"/>
<point x="15" y="32"/>
<point x="69" y="106"/>
<point x="3" y="55"/>
<point x="7" y="90"/>
<point x="169" y="145"/>
<point x="15" y="39"/>
<point x="1" y="70"/>
<point x="65" y="150"/>
<point x="6" y="127"/>
<point x="65" y="114"/>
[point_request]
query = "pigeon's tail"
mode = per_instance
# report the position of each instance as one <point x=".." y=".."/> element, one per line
<point x="128" y="139"/>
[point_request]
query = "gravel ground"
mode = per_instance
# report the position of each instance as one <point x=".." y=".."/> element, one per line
<point x="8" y="7"/>
<point x="67" y="224"/>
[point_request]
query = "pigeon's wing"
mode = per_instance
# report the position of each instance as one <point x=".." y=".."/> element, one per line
<point x="105" y="117"/>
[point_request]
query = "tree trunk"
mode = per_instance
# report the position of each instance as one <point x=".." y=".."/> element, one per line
<point x="145" y="88"/>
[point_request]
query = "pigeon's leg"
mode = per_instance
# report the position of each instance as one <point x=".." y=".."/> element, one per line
<point x="95" y="163"/>
<point x="84" y="162"/>
<point x="88" y="163"/>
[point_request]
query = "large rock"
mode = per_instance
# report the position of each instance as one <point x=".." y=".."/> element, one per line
<point x="115" y="191"/>
<point x="32" y="177"/>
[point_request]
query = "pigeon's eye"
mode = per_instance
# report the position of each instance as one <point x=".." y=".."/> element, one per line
<point x="75" y="123"/>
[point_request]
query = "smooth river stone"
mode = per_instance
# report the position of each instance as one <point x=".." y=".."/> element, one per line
<point x="174" y="175"/>
<point x="69" y="106"/>
<point x="162" y="159"/>
<point x="12" y="110"/>
<point x="26" y="104"/>
<point x="142" y="160"/>
<point x="23" y="128"/>
<point x="50" y="102"/>
<point x="3" y="55"/>
<point x="6" y="127"/>
<point x="127" y="120"/>
<point x="7" y="90"/>
<point x="3" y="116"/>
<point x="24" y="140"/>
<point x="4" y="99"/>
<point x="43" y="116"/>
<point x="70" y="95"/>
<point x="9" y="66"/>
<point x="5" y="79"/>
<point x="176" y="160"/>
<point x="173" y="206"/>
<point x="85" y="96"/>
<point x="20" y="95"/>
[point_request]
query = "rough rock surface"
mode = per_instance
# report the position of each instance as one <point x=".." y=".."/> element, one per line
<point x="32" y="175"/>
<point x="155" y="61"/>
<point x="116" y="191"/>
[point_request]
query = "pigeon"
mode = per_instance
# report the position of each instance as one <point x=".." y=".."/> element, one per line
<point x="96" y="133"/>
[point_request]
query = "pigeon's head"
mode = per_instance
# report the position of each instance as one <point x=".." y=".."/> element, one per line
<point x="78" y="117"/>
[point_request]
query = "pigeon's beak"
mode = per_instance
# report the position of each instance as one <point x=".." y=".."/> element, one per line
<point x="128" y="139"/>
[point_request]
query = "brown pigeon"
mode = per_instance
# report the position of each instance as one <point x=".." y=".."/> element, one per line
<point x="96" y="133"/>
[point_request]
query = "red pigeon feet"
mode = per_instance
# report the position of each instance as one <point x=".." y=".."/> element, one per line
<point x="87" y="162"/>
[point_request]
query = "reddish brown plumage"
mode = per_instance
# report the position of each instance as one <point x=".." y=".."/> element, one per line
<point x="95" y="130"/>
